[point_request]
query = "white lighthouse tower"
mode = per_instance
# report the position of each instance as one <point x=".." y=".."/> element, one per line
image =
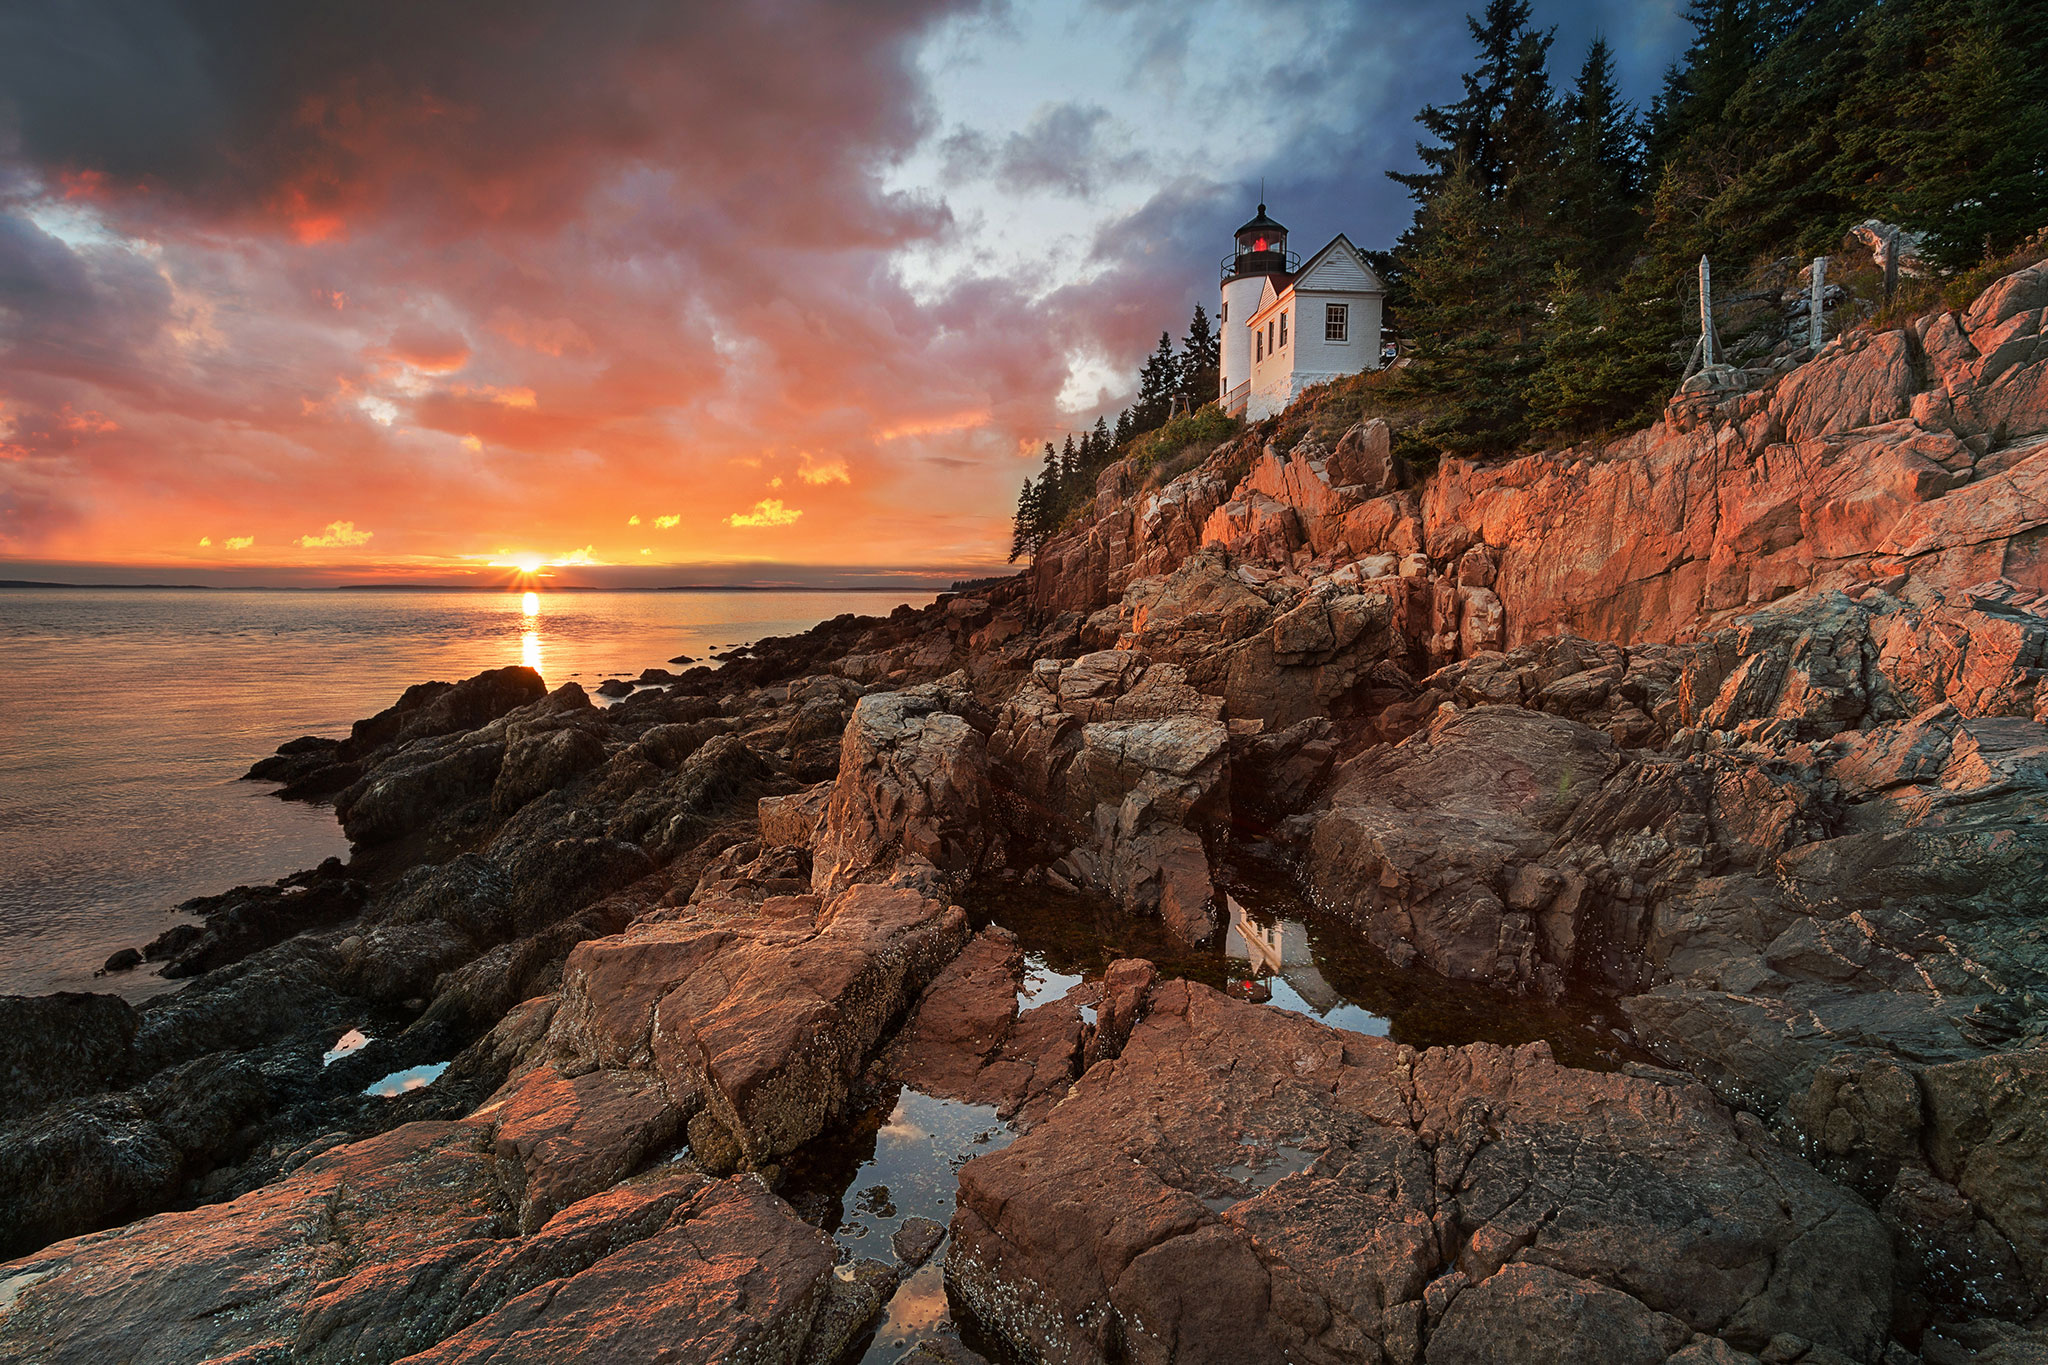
<point x="1261" y="257"/>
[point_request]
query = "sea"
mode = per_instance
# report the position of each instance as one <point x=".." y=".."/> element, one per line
<point x="129" y="715"/>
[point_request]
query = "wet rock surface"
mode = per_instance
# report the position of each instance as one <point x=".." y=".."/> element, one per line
<point x="1581" y="907"/>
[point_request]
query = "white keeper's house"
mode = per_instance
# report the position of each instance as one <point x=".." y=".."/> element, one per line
<point x="1287" y="325"/>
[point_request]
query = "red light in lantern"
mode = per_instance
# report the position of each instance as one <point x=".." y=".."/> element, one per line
<point x="1259" y="245"/>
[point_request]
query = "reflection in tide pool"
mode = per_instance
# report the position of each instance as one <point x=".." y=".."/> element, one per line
<point x="1043" y="984"/>
<point x="1284" y="963"/>
<point x="412" y="1078"/>
<point x="913" y="1173"/>
<point x="350" y="1043"/>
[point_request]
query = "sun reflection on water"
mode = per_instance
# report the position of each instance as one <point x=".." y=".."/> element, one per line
<point x="529" y="639"/>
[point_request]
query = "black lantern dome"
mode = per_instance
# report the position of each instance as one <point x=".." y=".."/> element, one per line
<point x="1261" y="249"/>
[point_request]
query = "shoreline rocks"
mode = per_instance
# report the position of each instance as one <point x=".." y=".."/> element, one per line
<point x="1733" y="728"/>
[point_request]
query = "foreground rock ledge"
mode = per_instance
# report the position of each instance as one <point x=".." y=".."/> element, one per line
<point x="1247" y="1185"/>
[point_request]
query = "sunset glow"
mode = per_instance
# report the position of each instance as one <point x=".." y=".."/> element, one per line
<point x="330" y="302"/>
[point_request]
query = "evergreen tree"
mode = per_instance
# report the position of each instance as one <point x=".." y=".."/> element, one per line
<point x="1601" y="175"/>
<point x="1105" y="445"/>
<point x="1726" y="44"/>
<point x="1023" y="534"/>
<point x="1158" y="382"/>
<point x="1946" y="129"/>
<point x="1473" y="343"/>
<point x="1051" y="505"/>
<point x="1124" y="429"/>
<point x="1525" y="137"/>
<point x="1201" y="360"/>
<point x="1070" y="466"/>
<point x="1607" y="358"/>
<point x="1465" y="132"/>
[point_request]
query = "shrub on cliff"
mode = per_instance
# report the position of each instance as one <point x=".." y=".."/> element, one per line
<point x="1182" y="443"/>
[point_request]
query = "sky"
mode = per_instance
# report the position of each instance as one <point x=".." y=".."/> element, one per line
<point x="642" y="293"/>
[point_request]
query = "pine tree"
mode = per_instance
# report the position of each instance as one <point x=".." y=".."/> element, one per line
<point x="1070" y="465"/>
<point x="1465" y="131"/>
<point x="1051" y="498"/>
<point x="1124" y="429"/>
<point x="1105" y="445"/>
<point x="1158" y="382"/>
<point x="1946" y="128"/>
<point x="1601" y="171"/>
<point x="1474" y="346"/>
<point x="1726" y="45"/>
<point x="1201" y="360"/>
<point x="1607" y="358"/>
<point x="1023" y="534"/>
<point x="1525" y="137"/>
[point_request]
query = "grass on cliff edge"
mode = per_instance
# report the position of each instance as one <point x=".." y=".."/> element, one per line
<point x="1184" y="442"/>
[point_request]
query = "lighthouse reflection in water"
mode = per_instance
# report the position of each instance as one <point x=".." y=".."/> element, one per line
<point x="1282" y="971"/>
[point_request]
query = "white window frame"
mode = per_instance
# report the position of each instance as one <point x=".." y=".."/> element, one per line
<point x="1337" y="324"/>
<point x="1283" y="331"/>
<point x="1258" y="345"/>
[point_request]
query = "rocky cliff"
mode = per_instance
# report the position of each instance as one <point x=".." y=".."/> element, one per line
<point x="1721" y="746"/>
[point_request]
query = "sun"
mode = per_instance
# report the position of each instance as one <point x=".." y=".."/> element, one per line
<point x="527" y="564"/>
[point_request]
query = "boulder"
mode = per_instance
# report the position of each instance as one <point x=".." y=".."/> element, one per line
<point x="404" y="1246"/>
<point x="1243" y="1184"/>
<point x="913" y="779"/>
<point x="1437" y="848"/>
<point x="756" y="1019"/>
<point x="793" y="821"/>
<point x="53" y="1047"/>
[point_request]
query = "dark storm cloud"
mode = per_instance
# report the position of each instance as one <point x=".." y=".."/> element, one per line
<point x="470" y="110"/>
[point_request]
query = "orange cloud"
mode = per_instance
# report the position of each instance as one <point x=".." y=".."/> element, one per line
<point x="767" y="512"/>
<point x="823" y="471"/>
<point x="549" y="336"/>
<point x="667" y="522"/>
<point x="338" y="535"/>
<point x="239" y="542"/>
<point x="935" y="426"/>
<point x="427" y="352"/>
<point x="91" y="423"/>
<point x="509" y="398"/>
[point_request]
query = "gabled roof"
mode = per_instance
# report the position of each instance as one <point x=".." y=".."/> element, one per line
<point x="1338" y="254"/>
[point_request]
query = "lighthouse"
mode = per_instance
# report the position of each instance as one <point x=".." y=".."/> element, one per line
<point x="1261" y="257"/>
<point x="1287" y="325"/>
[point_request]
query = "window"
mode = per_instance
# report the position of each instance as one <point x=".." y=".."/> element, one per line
<point x="1269" y="336"/>
<point x="1224" y="316"/>
<point x="1283" y="331"/>
<point x="1258" y="345"/>
<point x="1336" y="322"/>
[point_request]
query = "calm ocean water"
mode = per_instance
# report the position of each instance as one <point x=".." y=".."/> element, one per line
<point x="129" y="715"/>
